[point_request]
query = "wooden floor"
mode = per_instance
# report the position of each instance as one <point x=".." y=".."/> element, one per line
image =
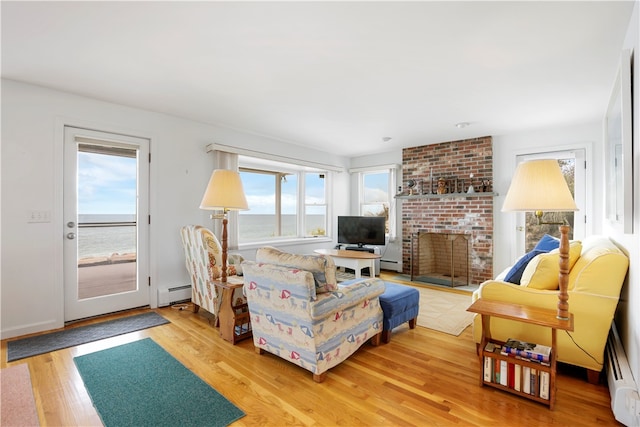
<point x="421" y="378"/>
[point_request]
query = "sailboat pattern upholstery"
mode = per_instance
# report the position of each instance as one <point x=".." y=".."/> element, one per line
<point x="291" y="319"/>
<point x="203" y="256"/>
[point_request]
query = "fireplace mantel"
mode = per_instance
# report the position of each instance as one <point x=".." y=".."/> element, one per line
<point x="445" y="196"/>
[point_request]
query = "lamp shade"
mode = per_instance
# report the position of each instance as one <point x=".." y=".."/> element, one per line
<point x="538" y="185"/>
<point x="224" y="192"/>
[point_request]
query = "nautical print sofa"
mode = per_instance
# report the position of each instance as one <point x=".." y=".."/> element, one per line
<point x="300" y="313"/>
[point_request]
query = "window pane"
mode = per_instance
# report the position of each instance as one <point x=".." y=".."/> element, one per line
<point x="376" y="187"/>
<point x="315" y="209"/>
<point x="259" y="222"/>
<point x="533" y="231"/>
<point x="316" y="220"/>
<point x="314" y="190"/>
<point x="289" y="205"/>
<point x="375" y="196"/>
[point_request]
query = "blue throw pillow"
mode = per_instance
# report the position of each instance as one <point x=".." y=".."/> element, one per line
<point x="515" y="274"/>
<point x="547" y="244"/>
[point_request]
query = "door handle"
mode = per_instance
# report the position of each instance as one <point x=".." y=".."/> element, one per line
<point x="71" y="236"/>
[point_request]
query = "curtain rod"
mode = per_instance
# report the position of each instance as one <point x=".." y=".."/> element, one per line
<point x="254" y="153"/>
<point x="374" y="168"/>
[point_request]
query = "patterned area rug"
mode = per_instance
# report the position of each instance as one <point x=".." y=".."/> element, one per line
<point x="17" y="404"/>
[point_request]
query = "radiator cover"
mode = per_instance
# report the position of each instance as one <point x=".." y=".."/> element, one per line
<point x="173" y="295"/>
<point x="625" y="402"/>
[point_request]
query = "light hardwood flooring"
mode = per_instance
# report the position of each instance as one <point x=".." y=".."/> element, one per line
<point x="421" y="378"/>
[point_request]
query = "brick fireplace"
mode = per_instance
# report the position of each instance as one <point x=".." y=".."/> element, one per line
<point x="461" y="164"/>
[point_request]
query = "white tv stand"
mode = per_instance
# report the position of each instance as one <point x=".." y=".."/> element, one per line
<point x="371" y="249"/>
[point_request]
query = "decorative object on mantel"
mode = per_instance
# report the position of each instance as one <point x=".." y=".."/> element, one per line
<point x="471" y="189"/>
<point x="486" y="183"/>
<point x="537" y="186"/>
<point x="442" y="186"/>
<point x="412" y="185"/>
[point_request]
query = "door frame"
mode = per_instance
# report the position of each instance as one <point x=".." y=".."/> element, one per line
<point x="58" y="216"/>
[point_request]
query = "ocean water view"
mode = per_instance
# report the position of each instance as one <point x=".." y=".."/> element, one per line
<point x="104" y="235"/>
<point x="261" y="227"/>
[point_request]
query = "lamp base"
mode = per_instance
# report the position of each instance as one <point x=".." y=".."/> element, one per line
<point x="563" y="276"/>
<point x="223" y="278"/>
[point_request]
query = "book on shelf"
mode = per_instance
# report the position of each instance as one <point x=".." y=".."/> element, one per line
<point x="488" y="368"/>
<point x="511" y="375"/>
<point x="527" y="350"/>
<point x="517" y="381"/>
<point x="533" y="380"/>
<point x="526" y="379"/>
<point x="503" y="373"/>
<point x="544" y="385"/>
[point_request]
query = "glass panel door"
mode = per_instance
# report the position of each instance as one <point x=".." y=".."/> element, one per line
<point x="106" y="226"/>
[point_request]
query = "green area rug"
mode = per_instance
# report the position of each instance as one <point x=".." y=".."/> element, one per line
<point x="140" y="384"/>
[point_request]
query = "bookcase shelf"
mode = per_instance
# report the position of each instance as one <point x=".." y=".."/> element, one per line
<point x="526" y="314"/>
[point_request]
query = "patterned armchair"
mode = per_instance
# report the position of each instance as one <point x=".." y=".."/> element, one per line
<point x="203" y="255"/>
<point x="300" y="313"/>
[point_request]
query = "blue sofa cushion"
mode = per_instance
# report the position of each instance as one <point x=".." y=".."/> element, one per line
<point x="547" y="243"/>
<point x="515" y="274"/>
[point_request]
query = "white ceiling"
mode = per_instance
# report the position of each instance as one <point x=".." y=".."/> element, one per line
<point x="339" y="76"/>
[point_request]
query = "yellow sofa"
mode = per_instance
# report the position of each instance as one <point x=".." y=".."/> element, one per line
<point x="595" y="280"/>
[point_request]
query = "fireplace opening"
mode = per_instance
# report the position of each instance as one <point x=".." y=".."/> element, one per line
<point x="440" y="258"/>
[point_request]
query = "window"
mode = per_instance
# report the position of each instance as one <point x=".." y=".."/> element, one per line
<point x="374" y="200"/>
<point x="376" y="195"/>
<point x="572" y="164"/>
<point x="286" y="201"/>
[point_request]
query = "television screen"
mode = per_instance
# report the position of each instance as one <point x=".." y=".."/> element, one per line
<point x="361" y="230"/>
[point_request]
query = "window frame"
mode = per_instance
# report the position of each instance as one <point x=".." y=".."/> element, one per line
<point x="392" y="171"/>
<point x="281" y="168"/>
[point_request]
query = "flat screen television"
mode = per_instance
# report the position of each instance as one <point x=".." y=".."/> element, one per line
<point x="361" y="230"/>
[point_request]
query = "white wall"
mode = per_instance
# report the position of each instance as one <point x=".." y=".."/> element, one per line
<point x="32" y="127"/>
<point x="628" y="316"/>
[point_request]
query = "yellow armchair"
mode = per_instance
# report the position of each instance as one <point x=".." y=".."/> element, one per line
<point x="595" y="281"/>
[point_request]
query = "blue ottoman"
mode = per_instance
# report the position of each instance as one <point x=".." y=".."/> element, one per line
<point x="399" y="304"/>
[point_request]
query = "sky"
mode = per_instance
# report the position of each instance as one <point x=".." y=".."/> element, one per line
<point x="106" y="184"/>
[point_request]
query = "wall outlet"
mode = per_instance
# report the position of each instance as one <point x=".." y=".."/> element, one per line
<point x="39" y="216"/>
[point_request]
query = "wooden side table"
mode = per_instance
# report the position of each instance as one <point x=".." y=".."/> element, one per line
<point x="526" y="314"/>
<point x="235" y="324"/>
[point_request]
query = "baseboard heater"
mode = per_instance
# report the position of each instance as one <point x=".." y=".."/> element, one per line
<point x="625" y="402"/>
<point x="390" y="265"/>
<point x="173" y="295"/>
